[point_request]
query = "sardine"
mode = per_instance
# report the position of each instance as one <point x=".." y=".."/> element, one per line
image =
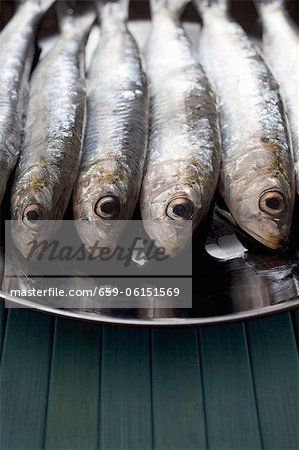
<point x="183" y="161"/>
<point x="111" y="171"/>
<point x="257" y="175"/>
<point x="281" y="50"/>
<point x="16" y="56"/>
<point x="53" y="132"/>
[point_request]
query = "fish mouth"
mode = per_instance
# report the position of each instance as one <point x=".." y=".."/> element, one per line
<point x="274" y="243"/>
<point x="271" y="243"/>
<point x="95" y="238"/>
<point x="27" y="252"/>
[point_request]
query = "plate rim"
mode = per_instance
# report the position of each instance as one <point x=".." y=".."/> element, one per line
<point x="266" y="311"/>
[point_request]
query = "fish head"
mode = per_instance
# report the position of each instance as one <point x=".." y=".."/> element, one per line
<point x="32" y="211"/>
<point x="104" y="199"/>
<point x="264" y="210"/>
<point x="172" y="204"/>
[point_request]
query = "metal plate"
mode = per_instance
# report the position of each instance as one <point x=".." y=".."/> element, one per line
<point x="233" y="279"/>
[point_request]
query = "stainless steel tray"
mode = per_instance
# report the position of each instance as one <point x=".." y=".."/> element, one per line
<point x="233" y="279"/>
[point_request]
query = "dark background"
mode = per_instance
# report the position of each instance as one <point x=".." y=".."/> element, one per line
<point x="242" y="10"/>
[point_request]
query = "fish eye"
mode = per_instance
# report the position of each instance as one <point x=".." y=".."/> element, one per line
<point x="180" y="208"/>
<point x="33" y="215"/>
<point x="107" y="207"/>
<point x="273" y="203"/>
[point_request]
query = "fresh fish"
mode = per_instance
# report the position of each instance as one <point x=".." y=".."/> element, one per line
<point x="53" y="131"/>
<point x="183" y="160"/>
<point x="281" y="49"/>
<point x="16" y="56"/>
<point x="111" y="171"/>
<point x="257" y="175"/>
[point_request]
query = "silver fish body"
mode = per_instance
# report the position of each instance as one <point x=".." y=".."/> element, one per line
<point x="16" y="56"/>
<point x="53" y="136"/>
<point x="111" y="170"/>
<point x="257" y="175"/>
<point x="183" y="161"/>
<point x="281" y="50"/>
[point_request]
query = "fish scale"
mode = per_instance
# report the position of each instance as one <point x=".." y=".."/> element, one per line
<point x="16" y="56"/>
<point x="184" y="144"/>
<point x="281" y="50"/>
<point x="53" y="135"/>
<point x="257" y="161"/>
<point x="116" y="133"/>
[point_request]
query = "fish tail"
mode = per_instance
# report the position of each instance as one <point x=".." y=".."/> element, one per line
<point x="261" y="5"/>
<point x="75" y="14"/>
<point x="175" y="7"/>
<point x="203" y="5"/>
<point x="113" y="9"/>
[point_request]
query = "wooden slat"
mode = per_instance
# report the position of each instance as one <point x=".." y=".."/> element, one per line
<point x="72" y="416"/>
<point x="24" y="378"/>
<point x="2" y="324"/>
<point x="232" y="421"/>
<point x="274" y="360"/>
<point x="125" y="398"/>
<point x="178" y="410"/>
<point x="296" y="325"/>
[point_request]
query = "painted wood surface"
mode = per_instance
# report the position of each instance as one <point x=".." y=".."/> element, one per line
<point x="125" y="419"/>
<point x="71" y="385"/>
<point x="232" y="419"/>
<point x="274" y="361"/>
<point x="24" y="379"/>
<point x="72" y="411"/>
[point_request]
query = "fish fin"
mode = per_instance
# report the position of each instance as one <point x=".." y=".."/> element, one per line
<point x="175" y="7"/>
<point x="202" y="5"/>
<point x="115" y="9"/>
<point x="75" y="14"/>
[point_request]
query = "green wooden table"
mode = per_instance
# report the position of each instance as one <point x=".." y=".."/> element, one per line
<point x="71" y="385"/>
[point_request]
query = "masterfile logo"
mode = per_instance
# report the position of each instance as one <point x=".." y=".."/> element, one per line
<point x="55" y="267"/>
